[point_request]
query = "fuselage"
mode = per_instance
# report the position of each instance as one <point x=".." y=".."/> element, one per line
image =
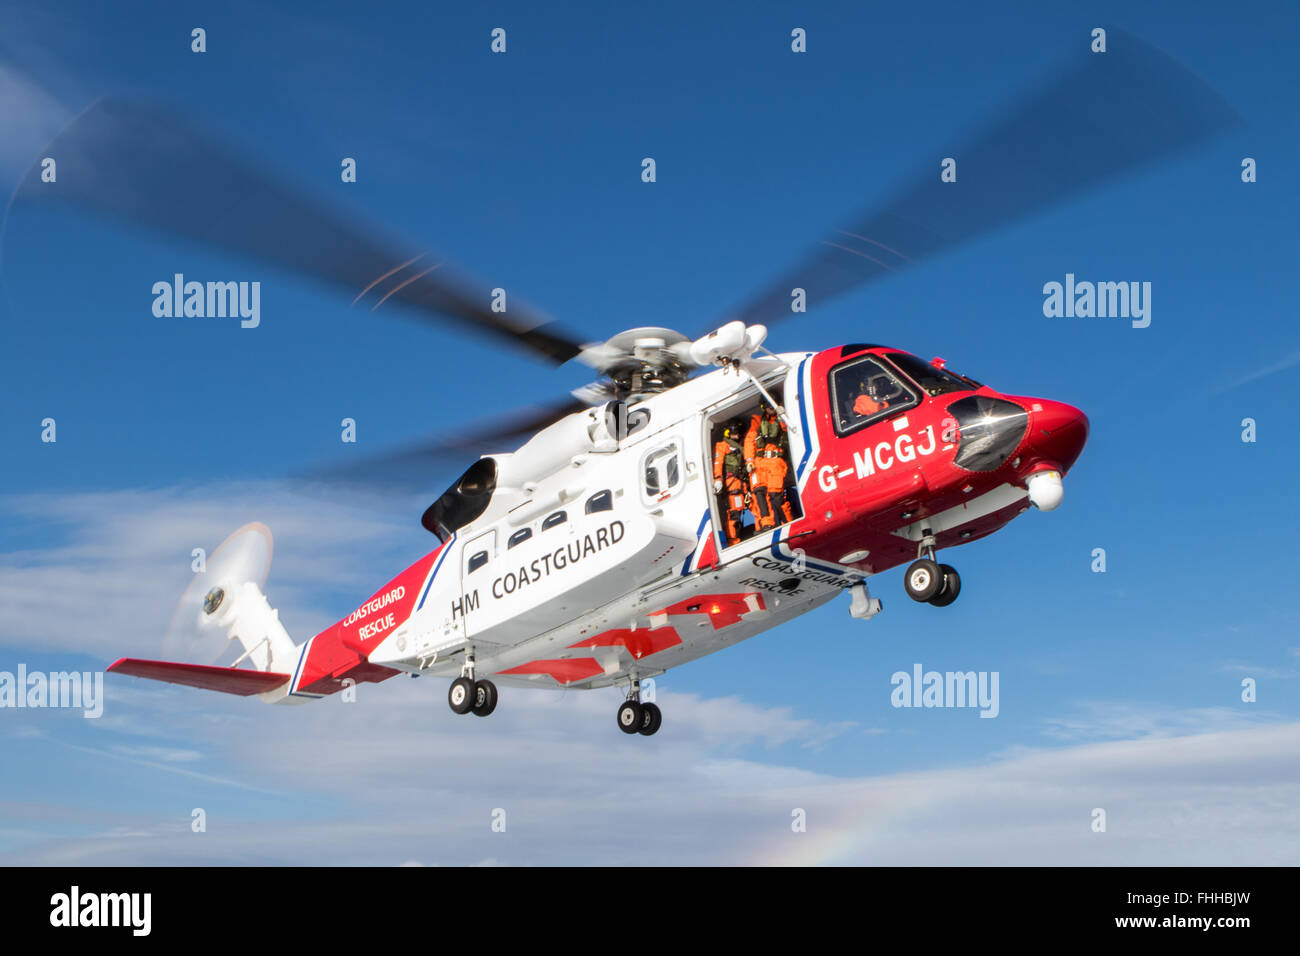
<point x="596" y="553"/>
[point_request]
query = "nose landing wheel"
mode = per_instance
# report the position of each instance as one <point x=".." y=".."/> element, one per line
<point x="951" y="587"/>
<point x="929" y="582"/>
<point x="923" y="580"/>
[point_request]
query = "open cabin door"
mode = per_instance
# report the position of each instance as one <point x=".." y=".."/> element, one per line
<point x="751" y="469"/>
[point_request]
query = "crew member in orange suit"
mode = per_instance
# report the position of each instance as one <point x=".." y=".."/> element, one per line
<point x="766" y="449"/>
<point x="866" y="403"/>
<point x="729" y="478"/>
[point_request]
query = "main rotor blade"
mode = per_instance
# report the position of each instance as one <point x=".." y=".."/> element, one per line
<point x="420" y="465"/>
<point x="132" y="162"/>
<point x="1102" y="115"/>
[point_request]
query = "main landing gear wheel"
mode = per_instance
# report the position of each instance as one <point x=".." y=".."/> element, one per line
<point x="462" y="695"/>
<point x="631" y="715"/>
<point x="485" y="698"/>
<point x="951" y="586"/>
<point x="651" y="718"/>
<point x="923" y="580"/>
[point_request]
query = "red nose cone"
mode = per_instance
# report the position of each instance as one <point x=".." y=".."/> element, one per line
<point x="1057" y="431"/>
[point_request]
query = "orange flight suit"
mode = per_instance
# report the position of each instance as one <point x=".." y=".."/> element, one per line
<point x="732" y="475"/>
<point x="766" y="445"/>
<point x="866" y="405"/>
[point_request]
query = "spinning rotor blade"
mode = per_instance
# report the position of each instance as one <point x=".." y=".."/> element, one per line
<point x="245" y="556"/>
<point x="414" y="466"/>
<point x="132" y="162"/>
<point x="1102" y="115"/>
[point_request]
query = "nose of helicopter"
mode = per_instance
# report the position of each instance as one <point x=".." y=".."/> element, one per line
<point x="1057" y="432"/>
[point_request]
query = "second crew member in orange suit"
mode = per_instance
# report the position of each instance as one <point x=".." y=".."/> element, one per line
<point x="766" y="448"/>
<point x="729" y="478"/>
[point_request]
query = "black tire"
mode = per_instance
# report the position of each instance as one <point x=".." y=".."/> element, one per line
<point x="485" y="698"/>
<point x="951" y="586"/>
<point x="651" y="719"/>
<point x="922" y="580"/>
<point x="460" y="695"/>
<point x="630" y="717"/>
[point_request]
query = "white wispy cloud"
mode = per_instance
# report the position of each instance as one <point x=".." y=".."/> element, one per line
<point x="124" y="558"/>
<point x="1118" y="720"/>
<point x="413" y="783"/>
<point x="397" y="778"/>
<point x="1279" y="363"/>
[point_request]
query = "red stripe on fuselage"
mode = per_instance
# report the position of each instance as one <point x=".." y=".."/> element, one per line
<point x="723" y="609"/>
<point x="339" y="652"/>
<point x="564" y="671"/>
<point x="639" y="643"/>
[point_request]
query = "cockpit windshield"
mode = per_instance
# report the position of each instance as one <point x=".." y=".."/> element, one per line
<point x="934" y="380"/>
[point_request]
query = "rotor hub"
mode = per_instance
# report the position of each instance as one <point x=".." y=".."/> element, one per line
<point x="642" y="361"/>
<point x="212" y="600"/>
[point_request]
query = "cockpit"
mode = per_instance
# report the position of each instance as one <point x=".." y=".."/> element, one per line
<point x="865" y="390"/>
<point x="870" y="388"/>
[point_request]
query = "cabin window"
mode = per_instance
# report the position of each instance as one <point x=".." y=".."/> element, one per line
<point x="600" y="501"/>
<point x="662" y="471"/>
<point x="519" y="537"/>
<point x="864" y="391"/>
<point x="480" y="551"/>
<point x="554" y="518"/>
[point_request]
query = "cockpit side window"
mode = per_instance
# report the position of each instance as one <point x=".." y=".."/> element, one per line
<point x="863" y="391"/>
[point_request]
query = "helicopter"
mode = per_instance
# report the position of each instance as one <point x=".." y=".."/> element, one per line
<point x="704" y="489"/>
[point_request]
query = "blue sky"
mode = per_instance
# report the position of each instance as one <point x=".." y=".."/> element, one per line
<point x="525" y="169"/>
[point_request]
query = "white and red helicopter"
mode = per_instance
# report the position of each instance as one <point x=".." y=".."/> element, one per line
<point x="596" y="554"/>
<point x="608" y="546"/>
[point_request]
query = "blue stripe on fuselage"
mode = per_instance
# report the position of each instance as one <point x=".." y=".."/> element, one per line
<point x="446" y="549"/>
<point x="803" y="423"/>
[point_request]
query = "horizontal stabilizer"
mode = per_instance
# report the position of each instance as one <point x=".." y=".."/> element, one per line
<point x="228" y="680"/>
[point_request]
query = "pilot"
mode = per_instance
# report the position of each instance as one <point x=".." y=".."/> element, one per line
<point x="729" y="477"/>
<point x="766" y="449"/>
<point x="869" y="400"/>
